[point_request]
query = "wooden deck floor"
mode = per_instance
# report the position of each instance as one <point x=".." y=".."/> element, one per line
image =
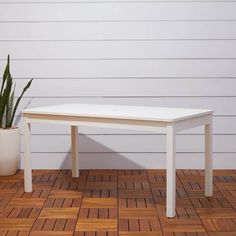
<point x="112" y="203"/>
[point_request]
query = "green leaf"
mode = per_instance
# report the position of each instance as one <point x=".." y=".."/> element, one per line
<point x="3" y="105"/>
<point x="7" y="93"/>
<point x="5" y="74"/>
<point x="1" y="101"/>
<point x="18" y="100"/>
<point x="10" y="108"/>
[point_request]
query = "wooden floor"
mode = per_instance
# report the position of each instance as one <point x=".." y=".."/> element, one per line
<point x="112" y="203"/>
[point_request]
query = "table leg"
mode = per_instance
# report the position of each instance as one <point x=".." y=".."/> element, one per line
<point x="27" y="160"/>
<point x="171" y="179"/>
<point x="208" y="160"/>
<point x="74" y="151"/>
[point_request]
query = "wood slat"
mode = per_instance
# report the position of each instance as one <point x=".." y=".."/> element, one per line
<point x="140" y="234"/>
<point x="221" y="213"/>
<point x="65" y="194"/>
<point x="59" y="213"/>
<point x="137" y="213"/>
<point x="26" y="202"/>
<point x="96" y="225"/>
<point x="119" y="30"/>
<point x="180" y="225"/>
<point x="16" y="224"/>
<point x="149" y="86"/>
<point x="48" y="233"/>
<point x="135" y="194"/>
<point x="111" y="11"/>
<point x="99" y="203"/>
<point x="129" y="160"/>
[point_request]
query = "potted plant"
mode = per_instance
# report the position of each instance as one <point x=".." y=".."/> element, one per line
<point x="9" y="134"/>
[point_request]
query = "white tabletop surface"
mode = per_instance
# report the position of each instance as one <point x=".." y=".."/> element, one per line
<point x="165" y="114"/>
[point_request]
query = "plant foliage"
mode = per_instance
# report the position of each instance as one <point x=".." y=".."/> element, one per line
<point x="7" y="106"/>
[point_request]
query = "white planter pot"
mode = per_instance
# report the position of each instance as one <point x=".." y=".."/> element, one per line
<point x="9" y="151"/>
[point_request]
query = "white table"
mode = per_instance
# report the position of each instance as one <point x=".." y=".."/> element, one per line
<point x="155" y="119"/>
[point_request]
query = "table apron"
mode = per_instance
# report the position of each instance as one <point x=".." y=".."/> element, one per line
<point x="138" y="125"/>
<point x="193" y="122"/>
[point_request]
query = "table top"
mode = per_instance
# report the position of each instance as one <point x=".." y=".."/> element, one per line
<point x="163" y="114"/>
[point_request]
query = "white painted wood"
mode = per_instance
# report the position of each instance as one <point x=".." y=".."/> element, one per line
<point x="143" y="126"/>
<point x="118" y="11"/>
<point x="129" y="87"/>
<point x="74" y="151"/>
<point x="137" y="30"/>
<point x="163" y="49"/>
<point x="27" y="159"/>
<point x="111" y="69"/>
<point x="222" y="106"/>
<point x="191" y="123"/>
<point x="224" y="125"/>
<point x="129" y="143"/>
<point x="130" y="161"/>
<point x="98" y="1"/>
<point x="139" y="113"/>
<point x="170" y="171"/>
<point x="208" y="160"/>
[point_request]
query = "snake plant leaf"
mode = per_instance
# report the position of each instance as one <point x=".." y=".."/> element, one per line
<point x="2" y="108"/>
<point x="18" y="100"/>
<point x="7" y="91"/>
<point x="10" y="108"/>
<point x="5" y="98"/>
<point x="5" y="74"/>
<point x="8" y="88"/>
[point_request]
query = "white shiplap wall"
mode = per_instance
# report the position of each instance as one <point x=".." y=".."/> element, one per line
<point x="153" y="53"/>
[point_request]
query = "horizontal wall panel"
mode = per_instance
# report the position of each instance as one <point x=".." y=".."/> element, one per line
<point x="220" y="105"/>
<point x="130" y="143"/>
<point x="118" y="49"/>
<point x="128" y="87"/>
<point x="129" y="161"/>
<point x="221" y="125"/>
<point x="98" y="1"/>
<point x="139" y="30"/>
<point x="121" y="68"/>
<point x="118" y="11"/>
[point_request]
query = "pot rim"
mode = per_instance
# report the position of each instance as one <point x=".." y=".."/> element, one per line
<point x="12" y="129"/>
